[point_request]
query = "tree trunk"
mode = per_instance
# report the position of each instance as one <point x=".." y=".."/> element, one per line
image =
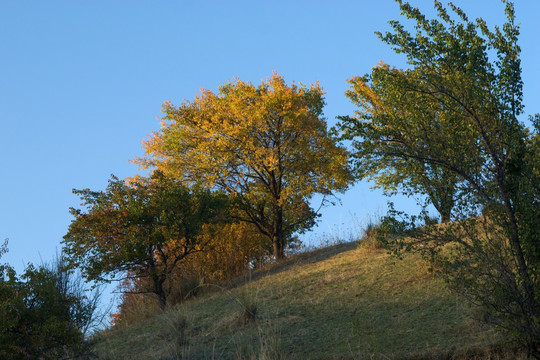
<point x="443" y="200"/>
<point x="160" y="291"/>
<point x="278" y="249"/>
<point x="277" y="236"/>
<point x="162" y="300"/>
<point x="445" y="215"/>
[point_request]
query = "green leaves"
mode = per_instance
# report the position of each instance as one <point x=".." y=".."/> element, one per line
<point x="448" y="128"/>
<point x="41" y="317"/>
<point x="143" y="227"/>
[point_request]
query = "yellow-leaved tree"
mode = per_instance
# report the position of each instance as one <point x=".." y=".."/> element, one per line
<point x="267" y="146"/>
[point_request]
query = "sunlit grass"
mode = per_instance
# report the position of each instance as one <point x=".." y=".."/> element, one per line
<point x="345" y="301"/>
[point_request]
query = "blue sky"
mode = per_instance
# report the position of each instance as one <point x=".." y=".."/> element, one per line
<point x="82" y="83"/>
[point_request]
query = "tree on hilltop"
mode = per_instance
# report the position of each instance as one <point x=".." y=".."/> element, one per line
<point x="452" y="119"/>
<point x="266" y="146"/>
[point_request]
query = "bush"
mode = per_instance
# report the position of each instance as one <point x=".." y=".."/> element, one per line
<point x="230" y="250"/>
<point x="41" y="317"/>
<point x="233" y="249"/>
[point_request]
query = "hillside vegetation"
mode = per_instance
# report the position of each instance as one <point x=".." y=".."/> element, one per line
<point x="342" y="302"/>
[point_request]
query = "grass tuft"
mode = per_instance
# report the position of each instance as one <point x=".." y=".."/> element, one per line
<point x="178" y="326"/>
<point x="371" y="237"/>
<point x="250" y="304"/>
<point x="267" y="345"/>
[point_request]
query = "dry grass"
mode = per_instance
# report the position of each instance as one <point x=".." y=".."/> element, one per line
<point x="342" y="302"/>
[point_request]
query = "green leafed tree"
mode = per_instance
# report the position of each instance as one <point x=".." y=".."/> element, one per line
<point x="142" y="228"/>
<point x="394" y="132"/>
<point x="267" y="146"/>
<point x="449" y="124"/>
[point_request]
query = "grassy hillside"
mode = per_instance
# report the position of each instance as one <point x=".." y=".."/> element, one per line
<point x="342" y="302"/>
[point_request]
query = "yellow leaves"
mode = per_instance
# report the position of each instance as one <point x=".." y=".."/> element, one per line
<point x="267" y="142"/>
<point x="363" y="95"/>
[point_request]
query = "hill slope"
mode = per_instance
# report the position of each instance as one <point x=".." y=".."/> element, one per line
<point x="340" y="302"/>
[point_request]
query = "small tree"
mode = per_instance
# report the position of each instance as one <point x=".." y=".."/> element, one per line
<point x="461" y="100"/>
<point x="266" y="146"/>
<point x="142" y="228"/>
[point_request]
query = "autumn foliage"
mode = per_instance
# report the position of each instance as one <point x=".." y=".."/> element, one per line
<point x="266" y="146"/>
<point x="232" y="250"/>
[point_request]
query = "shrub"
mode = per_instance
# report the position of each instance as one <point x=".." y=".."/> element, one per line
<point x="230" y="251"/>
<point x="42" y="317"/>
<point x="234" y="249"/>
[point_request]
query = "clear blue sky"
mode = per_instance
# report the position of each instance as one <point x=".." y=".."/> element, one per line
<point x="82" y="83"/>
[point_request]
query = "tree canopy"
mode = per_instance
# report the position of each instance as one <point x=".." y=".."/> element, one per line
<point x="395" y="132"/>
<point x="451" y="120"/>
<point x="141" y="228"/>
<point x="267" y="146"/>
